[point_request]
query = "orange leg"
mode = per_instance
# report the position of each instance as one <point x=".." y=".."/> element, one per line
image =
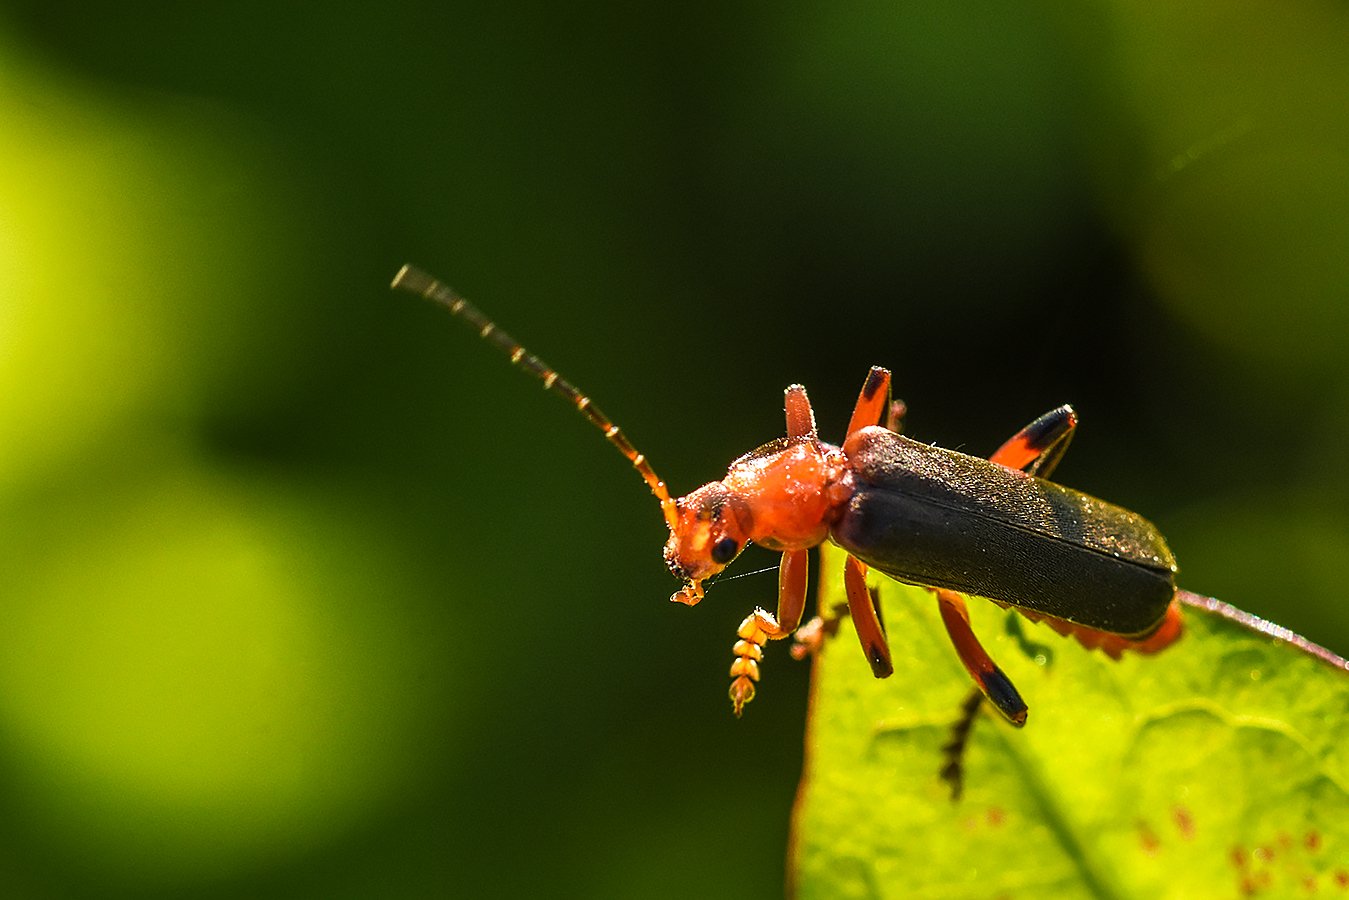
<point x="873" y="400"/>
<point x="987" y="676"/>
<point x="866" y="619"/>
<point x="800" y="417"/>
<point x="761" y="626"/>
<point x="894" y="419"/>
<point x="862" y="607"/>
<point x="1167" y="632"/>
<point x="793" y="575"/>
<point x="1039" y="446"/>
<point x="810" y="637"/>
<point x="872" y="403"/>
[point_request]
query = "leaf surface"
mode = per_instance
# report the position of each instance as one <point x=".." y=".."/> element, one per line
<point x="1219" y="767"/>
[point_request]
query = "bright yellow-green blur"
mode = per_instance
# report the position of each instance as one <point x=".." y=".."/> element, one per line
<point x="195" y="674"/>
<point x="184" y="677"/>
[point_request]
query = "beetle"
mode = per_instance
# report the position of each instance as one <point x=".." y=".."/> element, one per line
<point x="957" y="524"/>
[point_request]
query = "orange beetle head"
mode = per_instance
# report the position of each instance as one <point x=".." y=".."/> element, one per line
<point x="713" y="527"/>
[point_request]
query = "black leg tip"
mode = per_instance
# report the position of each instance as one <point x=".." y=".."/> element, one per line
<point x="1004" y="696"/>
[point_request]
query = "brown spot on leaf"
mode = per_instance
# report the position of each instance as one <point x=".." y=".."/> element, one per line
<point x="1147" y="838"/>
<point x="1184" y="822"/>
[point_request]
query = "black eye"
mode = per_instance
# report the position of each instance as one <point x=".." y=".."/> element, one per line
<point x="724" y="550"/>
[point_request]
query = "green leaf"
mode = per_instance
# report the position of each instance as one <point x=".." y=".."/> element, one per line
<point x="1219" y="767"/>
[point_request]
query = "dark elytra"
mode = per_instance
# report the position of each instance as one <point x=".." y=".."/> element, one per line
<point x="940" y="518"/>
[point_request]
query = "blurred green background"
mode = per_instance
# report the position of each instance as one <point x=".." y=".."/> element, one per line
<point x="306" y="594"/>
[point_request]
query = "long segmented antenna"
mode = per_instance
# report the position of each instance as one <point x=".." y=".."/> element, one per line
<point x="415" y="281"/>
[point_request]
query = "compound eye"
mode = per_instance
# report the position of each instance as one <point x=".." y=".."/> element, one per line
<point x="724" y="550"/>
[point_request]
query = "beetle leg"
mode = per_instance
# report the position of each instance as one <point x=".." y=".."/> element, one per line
<point x="987" y="676"/>
<point x="810" y="637"/>
<point x="894" y="417"/>
<point x="793" y="574"/>
<point x="1039" y="446"/>
<point x="1167" y="632"/>
<point x="866" y="617"/>
<point x="760" y="626"/>
<point x="873" y="400"/>
<point x="800" y="417"/>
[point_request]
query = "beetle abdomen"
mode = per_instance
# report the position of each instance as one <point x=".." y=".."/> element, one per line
<point x="936" y="517"/>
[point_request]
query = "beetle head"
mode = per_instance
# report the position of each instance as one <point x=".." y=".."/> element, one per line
<point x="712" y="528"/>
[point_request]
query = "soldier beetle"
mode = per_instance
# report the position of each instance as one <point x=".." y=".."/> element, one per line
<point x="995" y="528"/>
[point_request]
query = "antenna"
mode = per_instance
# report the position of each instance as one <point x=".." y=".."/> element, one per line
<point x="415" y="281"/>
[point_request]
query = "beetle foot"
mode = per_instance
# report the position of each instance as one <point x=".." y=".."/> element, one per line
<point x="742" y="691"/>
<point x="810" y="637"/>
<point x="757" y="629"/>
